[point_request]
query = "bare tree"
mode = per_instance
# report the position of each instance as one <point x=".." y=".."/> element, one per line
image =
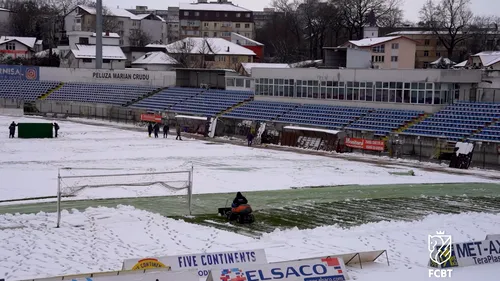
<point x="484" y="32"/>
<point x="139" y="38"/>
<point x="355" y="13"/>
<point x="449" y="20"/>
<point x="207" y="51"/>
<point x="182" y="51"/>
<point x="110" y="22"/>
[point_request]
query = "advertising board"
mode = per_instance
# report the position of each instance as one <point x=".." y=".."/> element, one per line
<point x="318" y="269"/>
<point x="202" y="263"/>
<point x="358" y="143"/>
<point x="19" y="72"/>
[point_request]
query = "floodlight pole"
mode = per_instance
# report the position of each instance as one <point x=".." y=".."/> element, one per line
<point x="190" y="190"/>
<point x="98" y="31"/>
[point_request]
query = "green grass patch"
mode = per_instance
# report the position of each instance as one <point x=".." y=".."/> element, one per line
<point x="309" y="207"/>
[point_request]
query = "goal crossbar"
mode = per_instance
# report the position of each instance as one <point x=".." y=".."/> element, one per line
<point x="135" y="183"/>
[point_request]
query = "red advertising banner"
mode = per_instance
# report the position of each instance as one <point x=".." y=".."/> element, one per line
<point x="375" y="145"/>
<point x="151" y="118"/>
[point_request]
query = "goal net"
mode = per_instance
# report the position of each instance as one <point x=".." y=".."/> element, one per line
<point x="87" y="183"/>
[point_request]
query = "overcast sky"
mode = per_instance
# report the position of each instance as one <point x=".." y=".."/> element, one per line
<point x="411" y="7"/>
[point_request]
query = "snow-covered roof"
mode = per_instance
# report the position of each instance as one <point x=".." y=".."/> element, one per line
<point x="462" y="64"/>
<point x="367" y="42"/>
<point x="45" y="53"/>
<point x="445" y="61"/>
<point x="297" y="128"/>
<point x="488" y="57"/>
<point x="110" y="35"/>
<point x="89" y="52"/>
<point x="4" y="10"/>
<point x="223" y="7"/>
<point x="191" y="117"/>
<point x="143" y="16"/>
<point x="245" y="39"/>
<point x="117" y="12"/>
<point x="249" y="65"/>
<point x="28" y="41"/>
<point x="155" y="58"/>
<point x="199" y="45"/>
<point x="410" y="32"/>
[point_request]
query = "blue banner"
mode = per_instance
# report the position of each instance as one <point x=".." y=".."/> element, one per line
<point x="19" y="72"/>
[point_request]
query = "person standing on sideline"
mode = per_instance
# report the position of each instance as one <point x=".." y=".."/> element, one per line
<point x="166" y="129"/>
<point x="250" y="138"/>
<point x="150" y="129"/>
<point x="12" y="129"/>
<point x="178" y="130"/>
<point x="56" y="128"/>
<point x="157" y="130"/>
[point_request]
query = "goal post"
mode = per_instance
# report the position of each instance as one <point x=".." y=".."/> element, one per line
<point x="87" y="183"/>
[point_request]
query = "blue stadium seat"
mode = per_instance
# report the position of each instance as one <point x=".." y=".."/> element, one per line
<point x="25" y="89"/>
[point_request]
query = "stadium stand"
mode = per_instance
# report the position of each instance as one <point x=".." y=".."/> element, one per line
<point x="100" y="93"/>
<point x="260" y="110"/>
<point x="326" y="116"/>
<point x="166" y="98"/>
<point x="384" y="121"/>
<point x="212" y="102"/>
<point x="457" y="122"/>
<point x="25" y="89"/>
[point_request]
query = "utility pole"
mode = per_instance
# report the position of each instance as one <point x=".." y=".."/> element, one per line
<point x="98" y="31"/>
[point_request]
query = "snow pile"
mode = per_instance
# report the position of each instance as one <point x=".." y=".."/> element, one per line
<point x="99" y="239"/>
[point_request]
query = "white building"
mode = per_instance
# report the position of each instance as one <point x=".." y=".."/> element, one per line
<point x="487" y="59"/>
<point x="156" y="61"/>
<point x="121" y="21"/>
<point x="84" y="56"/>
<point x="19" y="47"/>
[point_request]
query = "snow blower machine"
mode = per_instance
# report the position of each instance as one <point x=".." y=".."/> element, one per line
<point x="241" y="214"/>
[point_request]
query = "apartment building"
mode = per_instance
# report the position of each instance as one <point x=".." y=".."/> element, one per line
<point x="395" y="52"/>
<point x="215" y="19"/>
<point x="123" y="22"/>
<point x="261" y="18"/>
<point x="171" y="16"/>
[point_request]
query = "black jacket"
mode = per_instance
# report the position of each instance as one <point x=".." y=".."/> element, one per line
<point x="166" y="129"/>
<point x="239" y="200"/>
<point x="12" y="126"/>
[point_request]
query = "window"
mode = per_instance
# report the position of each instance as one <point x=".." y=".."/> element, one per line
<point x="438" y="54"/>
<point x="247" y="34"/>
<point x="215" y="34"/>
<point x="106" y="61"/>
<point x="87" y="60"/>
<point x="247" y="15"/>
<point x="221" y="58"/>
<point x="427" y="42"/>
<point x="226" y="34"/>
<point x="238" y="15"/>
<point x="197" y="14"/>
<point x="11" y="46"/>
<point x="395" y="46"/>
<point x="247" y="25"/>
<point x="379" y="49"/>
<point x="225" y="15"/>
<point x="205" y="24"/>
<point x="238" y="25"/>
<point x="217" y="14"/>
<point x="215" y="24"/>
<point x="78" y="20"/>
<point x="205" y="34"/>
<point x="426" y="53"/>
<point x="186" y="13"/>
<point x="426" y="65"/>
<point x="134" y="23"/>
<point x="83" y="40"/>
<point x="394" y="58"/>
<point x="378" y="58"/>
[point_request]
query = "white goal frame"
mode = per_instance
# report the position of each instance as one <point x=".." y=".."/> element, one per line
<point x="61" y="178"/>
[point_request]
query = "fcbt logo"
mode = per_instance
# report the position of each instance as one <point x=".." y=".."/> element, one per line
<point x="333" y="262"/>
<point x="233" y="274"/>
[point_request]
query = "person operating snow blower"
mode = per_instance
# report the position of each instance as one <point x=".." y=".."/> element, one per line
<point x="241" y="211"/>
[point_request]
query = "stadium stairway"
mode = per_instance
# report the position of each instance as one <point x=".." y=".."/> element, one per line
<point x="233" y="107"/>
<point x="411" y="123"/>
<point x="50" y="91"/>
<point x="150" y="94"/>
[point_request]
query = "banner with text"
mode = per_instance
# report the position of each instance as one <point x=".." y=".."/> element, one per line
<point x="203" y="263"/>
<point x="375" y="145"/>
<point x="319" y="269"/>
<point x="19" y="72"/>
<point x="151" y="118"/>
<point x="474" y="253"/>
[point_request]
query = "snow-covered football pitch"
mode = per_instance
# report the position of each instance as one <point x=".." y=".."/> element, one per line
<point x="365" y="206"/>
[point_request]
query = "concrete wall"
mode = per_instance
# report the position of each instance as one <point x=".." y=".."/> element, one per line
<point x="426" y="108"/>
<point x="79" y="63"/>
<point x="372" y="75"/>
<point x="358" y="58"/>
<point x="132" y="77"/>
<point x="156" y="29"/>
